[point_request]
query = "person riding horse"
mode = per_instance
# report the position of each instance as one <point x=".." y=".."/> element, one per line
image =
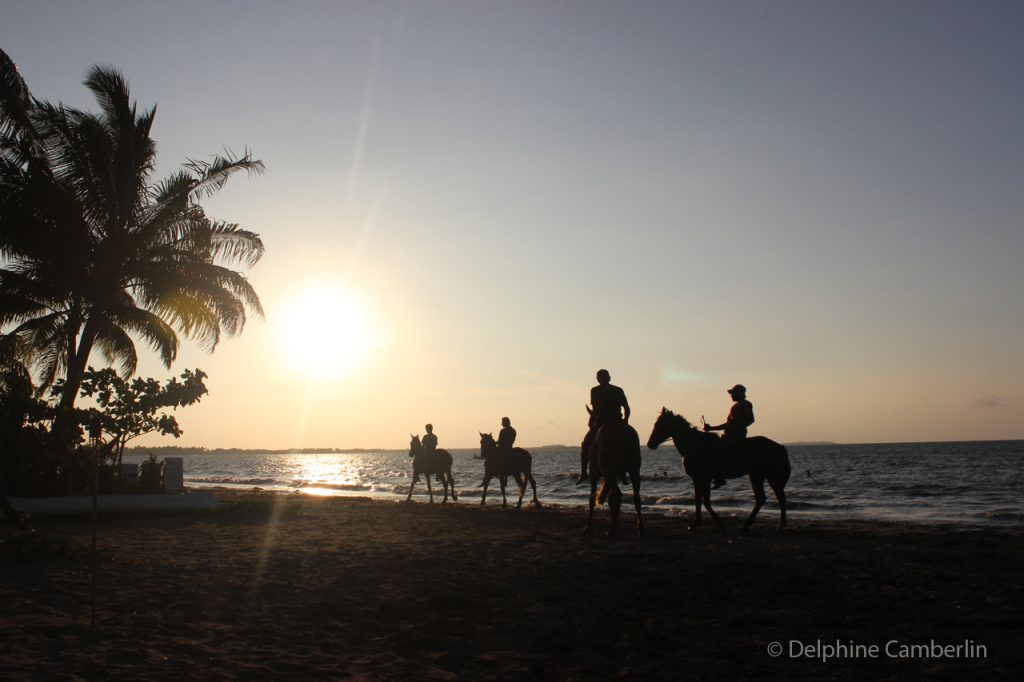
<point x="608" y="405"/>
<point x="429" y="444"/>
<point x="734" y="427"/>
<point x="506" y="438"/>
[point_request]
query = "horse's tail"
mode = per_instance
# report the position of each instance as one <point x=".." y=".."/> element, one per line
<point x="602" y="494"/>
<point x="525" y="461"/>
<point x="785" y="468"/>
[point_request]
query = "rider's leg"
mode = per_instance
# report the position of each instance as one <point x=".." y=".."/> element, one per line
<point x="726" y="442"/>
<point x="585" y="455"/>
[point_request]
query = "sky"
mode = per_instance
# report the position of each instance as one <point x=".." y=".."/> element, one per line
<point x="823" y="201"/>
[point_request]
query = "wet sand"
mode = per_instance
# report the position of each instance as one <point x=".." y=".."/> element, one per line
<point x="296" y="587"/>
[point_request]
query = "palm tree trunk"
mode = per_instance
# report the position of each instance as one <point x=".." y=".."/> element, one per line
<point x="78" y="358"/>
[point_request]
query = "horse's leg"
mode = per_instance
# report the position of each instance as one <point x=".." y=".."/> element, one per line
<point x="757" y="483"/>
<point x="444" y="481"/>
<point x="533" y="483"/>
<point x="707" y="505"/>
<point x="779" y="488"/>
<point x="698" y="496"/>
<point x="503" y="480"/>
<point x="429" y="490"/>
<point x="487" y="481"/>
<point x="614" y="502"/>
<point x="451" y="480"/>
<point x="415" y="475"/>
<point x="593" y="494"/>
<point x="634" y="476"/>
<point x="521" y="483"/>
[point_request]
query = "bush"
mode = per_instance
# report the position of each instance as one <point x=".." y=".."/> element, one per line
<point x="151" y="475"/>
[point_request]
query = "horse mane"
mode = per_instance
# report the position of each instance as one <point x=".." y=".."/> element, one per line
<point x="677" y="418"/>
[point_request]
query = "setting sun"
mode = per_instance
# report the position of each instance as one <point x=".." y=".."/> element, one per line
<point x="325" y="332"/>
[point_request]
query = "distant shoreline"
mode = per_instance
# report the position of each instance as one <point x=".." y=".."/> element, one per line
<point x="177" y="450"/>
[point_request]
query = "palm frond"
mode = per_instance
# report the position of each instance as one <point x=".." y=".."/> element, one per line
<point x="148" y="326"/>
<point x="112" y="93"/>
<point x="211" y="176"/>
<point x="44" y="340"/>
<point x="116" y="346"/>
<point x="16" y="105"/>
<point x="229" y="242"/>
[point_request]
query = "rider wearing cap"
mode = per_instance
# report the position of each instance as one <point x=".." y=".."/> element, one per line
<point x="735" y="426"/>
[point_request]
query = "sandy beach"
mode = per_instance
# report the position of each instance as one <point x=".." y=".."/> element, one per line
<point x="299" y="587"/>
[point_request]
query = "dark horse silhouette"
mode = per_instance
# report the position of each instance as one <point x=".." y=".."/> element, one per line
<point x="517" y="463"/>
<point x="703" y="458"/>
<point x="437" y="463"/>
<point x="614" y="451"/>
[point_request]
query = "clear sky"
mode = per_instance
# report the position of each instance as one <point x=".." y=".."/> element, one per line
<point x="821" y="200"/>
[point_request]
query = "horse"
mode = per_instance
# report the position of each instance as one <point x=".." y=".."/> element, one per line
<point x="437" y="463"/>
<point x="518" y="463"/>
<point x="614" y="450"/>
<point x="704" y="458"/>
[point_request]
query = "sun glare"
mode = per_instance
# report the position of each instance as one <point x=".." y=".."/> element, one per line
<point x="325" y="332"/>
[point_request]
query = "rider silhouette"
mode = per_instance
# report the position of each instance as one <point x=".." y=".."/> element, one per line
<point x="734" y="427"/>
<point x="429" y="440"/>
<point x="429" y="443"/>
<point x="608" y="403"/>
<point x="507" y="435"/>
<point x="506" y="439"/>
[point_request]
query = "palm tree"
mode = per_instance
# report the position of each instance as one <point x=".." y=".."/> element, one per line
<point x="94" y="254"/>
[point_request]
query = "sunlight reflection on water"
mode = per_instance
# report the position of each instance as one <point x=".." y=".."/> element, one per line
<point x="965" y="482"/>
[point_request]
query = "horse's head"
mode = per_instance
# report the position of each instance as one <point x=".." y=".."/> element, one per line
<point x="666" y="425"/>
<point x="487" y="444"/>
<point x="414" y="445"/>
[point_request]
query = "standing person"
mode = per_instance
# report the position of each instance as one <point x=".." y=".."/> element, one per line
<point x="734" y="427"/>
<point x="608" y="404"/>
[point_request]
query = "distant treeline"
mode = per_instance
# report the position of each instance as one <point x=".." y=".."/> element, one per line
<point x="176" y="451"/>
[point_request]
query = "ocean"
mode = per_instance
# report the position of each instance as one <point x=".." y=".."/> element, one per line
<point x="967" y="483"/>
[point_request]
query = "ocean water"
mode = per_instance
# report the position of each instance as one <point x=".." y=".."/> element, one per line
<point x="971" y="483"/>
